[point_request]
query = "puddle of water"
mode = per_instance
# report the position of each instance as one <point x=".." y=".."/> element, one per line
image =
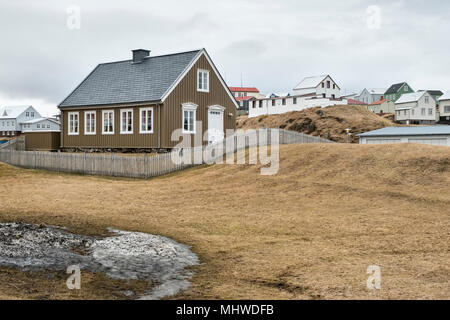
<point x="124" y="255"/>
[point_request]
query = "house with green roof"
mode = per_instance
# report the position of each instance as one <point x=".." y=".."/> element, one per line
<point x="397" y="90"/>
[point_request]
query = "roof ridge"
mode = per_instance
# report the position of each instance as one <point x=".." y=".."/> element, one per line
<point x="151" y="57"/>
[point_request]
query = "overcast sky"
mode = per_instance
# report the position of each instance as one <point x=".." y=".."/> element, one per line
<point x="273" y="44"/>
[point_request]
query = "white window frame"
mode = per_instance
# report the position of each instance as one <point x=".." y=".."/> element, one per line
<point x="69" y="132"/>
<point x="147" y="109"/>
<point x="121" y="121"/>
<point x="86" y="113"/>
<point x="103" y="122"/>
<point x="191" y="107"/>
<point x="203" y="72"/>
<point x="427" y="100"/>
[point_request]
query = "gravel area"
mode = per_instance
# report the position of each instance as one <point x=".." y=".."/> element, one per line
<point x="123" y="255"/>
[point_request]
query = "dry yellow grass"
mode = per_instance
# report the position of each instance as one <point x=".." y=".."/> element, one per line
<point x="309" y="232"/>
<point x="325" y="122"/>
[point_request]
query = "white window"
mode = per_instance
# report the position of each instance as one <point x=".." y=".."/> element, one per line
<point x="406" y="88"/>
<point x="189" y="117"/>
<point x="48" y="126"/>
<point x="32" y="114"/>
<point x="27" y="114"/>
<point x="447" y="109"/>
<point x="412" y="111"/>
<point x="38" y="126"/>
<point x="126" y="121"/>
<point x="108" y="122"/>
<point x="203" y="80"/>
<point x="430" y="111"/>
<point x="146" y="120"/>
<point x="89" y="123"/>
<point x="427" y="99"/>
<point x="74" y="128"/>
<point x="423" y="110"/>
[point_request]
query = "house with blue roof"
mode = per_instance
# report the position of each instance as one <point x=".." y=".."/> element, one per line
<point x="431" y="135"/>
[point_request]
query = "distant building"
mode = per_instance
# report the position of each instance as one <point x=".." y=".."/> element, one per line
<point x="416" y="108"/>
<point x="243" y="102"/>
<point x="382" y="107"/>
<point x="11" y="119"/>
<point x="242" y="92"/>
<point x="284" y="104"/>
<point x="436" y="94"/>
<point x="444" y="108"/>
<point x="355" y="102"/>
<point x="432" y="135"/>
<point x="397" y="90"/>
<point x="319" y="86"/>
<point x="41" y="125"/>
<point x="370" y="95"/>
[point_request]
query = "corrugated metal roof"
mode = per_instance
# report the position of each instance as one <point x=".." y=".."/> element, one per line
<point x="12" y="112"/>
<point x="376" y="90"/>
<point x="408" y="131"/>
<point x="128" y="82"/>
<point x="311" y="82"/>
<point x="410" y="97"/>
<point x="40" y="120"/>
<point x="244" y="89"/>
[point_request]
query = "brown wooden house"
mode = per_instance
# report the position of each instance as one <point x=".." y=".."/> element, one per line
<point x="139" y="103"/>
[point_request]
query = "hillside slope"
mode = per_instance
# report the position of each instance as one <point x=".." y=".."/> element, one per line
<point x="309" y="232"/>
<point x="325" y="122"/>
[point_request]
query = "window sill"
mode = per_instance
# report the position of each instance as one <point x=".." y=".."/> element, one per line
<point x="145" y="132"/>
<point x="126" y="132"/>
<point x="73" y="134"/>
<point x="107" y="133"/>
<point x="204" y="91"/>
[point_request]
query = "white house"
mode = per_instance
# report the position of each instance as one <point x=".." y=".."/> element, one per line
<point x="371" y="95"/>
<point x="283" y="104"/>
<point x="432" y="135"/>
<point x="382" y="106"/>
<point x="320" y="86"/>
<point x="11" y="119"/>
<point x="416" y="108"/>
<point x="444" y="108"/>
<point x="41" y="124"/>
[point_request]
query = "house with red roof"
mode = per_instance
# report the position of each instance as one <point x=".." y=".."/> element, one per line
<point x="382" y="106"/>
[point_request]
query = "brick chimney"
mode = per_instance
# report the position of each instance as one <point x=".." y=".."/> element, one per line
<point x="139" y="55"/>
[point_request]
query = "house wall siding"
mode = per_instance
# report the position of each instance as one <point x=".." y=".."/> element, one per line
<point x="116" y="140"/>
<point x="170" y="117"/>
<point x="186" y="91"/>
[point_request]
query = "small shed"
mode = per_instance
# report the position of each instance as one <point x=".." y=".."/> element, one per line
<point x="432" y="135"/>
<point x="42" y="140"/>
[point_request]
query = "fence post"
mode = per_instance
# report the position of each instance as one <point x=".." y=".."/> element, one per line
<point x="34" y="159"/>
<point x="112" y="164"/>
<point x="84" y="163"/>
<point x="146" y="174"/>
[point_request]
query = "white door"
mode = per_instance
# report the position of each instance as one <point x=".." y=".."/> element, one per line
<point x="215" y="124"/>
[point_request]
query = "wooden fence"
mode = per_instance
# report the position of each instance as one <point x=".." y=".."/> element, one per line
<point x="147" y="166"/>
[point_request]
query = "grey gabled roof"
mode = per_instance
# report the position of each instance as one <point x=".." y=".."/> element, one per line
<point x="408" y="131"/>
<point x="395" y="87"/>
<point x="128" y="82"/>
